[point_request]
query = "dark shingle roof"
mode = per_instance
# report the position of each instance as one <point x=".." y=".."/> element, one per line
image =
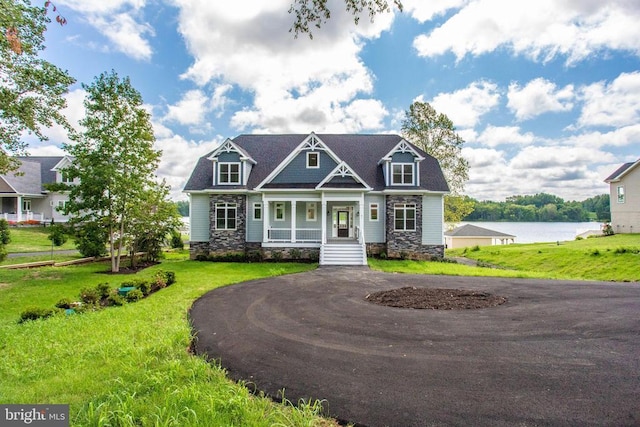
<point x="35" y="171"/>
<point x="469" y="230"/>
<point x="360" y="152"/>
<point x="622" y="169"/>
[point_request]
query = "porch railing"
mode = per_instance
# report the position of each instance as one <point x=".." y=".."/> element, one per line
<point x="26" y="216"/>
<point x="303" y="235"/>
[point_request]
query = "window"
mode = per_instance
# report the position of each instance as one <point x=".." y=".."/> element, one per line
<point x="61" y="204"/>
<point x="313" y="160"/>
<point x="26" y="205"/>
<point x="257" y="211"/>
<point x="226" y="214"/>
<point x="405" y="217"/>
<point x="229" y="173"/>
<point x="402" y="173"/>
<point x="279" y="212"/>
<point x="65" y="177"/>
<point x="312" y="209"/>
<point x="373" y="211"/>
<point x="621" y="194"/>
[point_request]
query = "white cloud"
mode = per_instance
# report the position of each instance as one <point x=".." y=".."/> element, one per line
<point x="219" y="99"/>
<point x="614" y="104"/>
<point x="494" y="136"/>
<point x="424" y="11"/>
<point x="626" y="136"/>
<point x="297" y="84"/>
<point x="190" y="110"/>
<point x="465" y="106"/>
<point x="119" y="21"/>
<point x="537" y="97"/>
<point x="538" y="29"/>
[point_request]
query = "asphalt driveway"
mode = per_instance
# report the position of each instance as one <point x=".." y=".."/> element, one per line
<point x="557" y="353"/>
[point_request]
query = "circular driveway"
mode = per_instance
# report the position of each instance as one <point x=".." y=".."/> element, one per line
<point x="557" y="353"/>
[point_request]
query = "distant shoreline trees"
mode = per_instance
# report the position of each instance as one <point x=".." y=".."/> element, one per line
<point x="541" y="207"/>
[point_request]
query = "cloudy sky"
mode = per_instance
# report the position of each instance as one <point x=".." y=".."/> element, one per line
<point x="545" y="93"/>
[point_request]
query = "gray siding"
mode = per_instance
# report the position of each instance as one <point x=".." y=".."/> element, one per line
<point x="199" y="217"/>
<point x="297" y="172"/>
<point x="432" y="220"/>
<point x="254" y="228"/>
<point x="374" y="230"/>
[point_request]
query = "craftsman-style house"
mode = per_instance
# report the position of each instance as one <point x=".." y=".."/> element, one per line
<point x="331" y="197"/>
<point x="624" y="195"/>
<point x="23" y="196"/>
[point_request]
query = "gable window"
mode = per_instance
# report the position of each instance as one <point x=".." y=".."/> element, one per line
<point x="402" y="173"/>
<point x="313" y="160"/>
<point x="229" y="173"/>
<point x="226" y="216"/>
<point x="257" y="211"/>
<point x="373" y="211"/>
<point x="620" y="194"/>
<point x="279" y="212"/>
<point x="405" y="216"/>
<point x="312" y="209"/>
<point x="65" y="177"/>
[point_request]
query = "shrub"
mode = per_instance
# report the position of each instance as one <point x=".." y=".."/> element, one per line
<point x="176" y="240"/>
<point x="382" y="255"/>
<point x="89" y="295"/>
<point x="91" y="240"/>
<point x="607" y="229"/>
<point x="142" y="285"/>
<point x="475" y="248"/>
<point x="64" y="303"/>
<point x="295" y="254"/>
<point x="170" y="277"/>
<point x="276" y="256"/>
<point x="5" y="234"/>
<point x="103" y="290"/>
<point x="3" y="253"/>
<point x="134" y="295"/>
<point x="159" y="280"/>
<point x="57" y="235"/>
<point x="403" y="255"/>
<point x="34" y="313"/>
<point x="255" y="256"/>
<point x="116" y="300"/>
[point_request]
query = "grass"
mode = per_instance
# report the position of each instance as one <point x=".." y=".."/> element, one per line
<point x="612" y="258"/>
<point x="130" y="365"/>
<point x="33" y="239"/>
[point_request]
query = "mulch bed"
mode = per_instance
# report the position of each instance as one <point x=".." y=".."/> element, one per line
<point x="435" y="299"/>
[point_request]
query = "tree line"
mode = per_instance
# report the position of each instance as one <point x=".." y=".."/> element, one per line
<point x="541" y="207"/>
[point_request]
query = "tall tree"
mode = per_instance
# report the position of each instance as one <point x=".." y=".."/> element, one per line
<point x="315" y="13"/>
<point x="435" y="134"/>
<point x="31" y="89"/>
<point x="114" y="160"/>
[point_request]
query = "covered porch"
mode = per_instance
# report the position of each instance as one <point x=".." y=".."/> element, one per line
<point x="18" y="208"/>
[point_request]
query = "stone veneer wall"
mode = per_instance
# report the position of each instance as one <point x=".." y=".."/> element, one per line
<point x="408" y="244"/>
<point x="228" y="241"/>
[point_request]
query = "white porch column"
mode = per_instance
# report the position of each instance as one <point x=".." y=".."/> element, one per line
<point x="266" y="217"/>
<point x="361" y="217"/>
<point x="323" y="216"/>
<point x="293" y="220"/>
<point x="19" y="209"/>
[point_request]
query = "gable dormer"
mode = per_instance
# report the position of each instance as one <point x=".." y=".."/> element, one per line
<point x="231" y="165"/>
<point x="401" y="166"/>
<point x="62" y="176"/>
<point x="343" y="177"/>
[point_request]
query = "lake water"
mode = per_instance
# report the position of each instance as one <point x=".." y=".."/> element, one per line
<point x="532" y="232"/>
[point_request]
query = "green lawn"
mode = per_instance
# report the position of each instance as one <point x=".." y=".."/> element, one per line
<point x="33" y="239"/>
<point x="129" y="366"/>
<point x="615" y="258"/>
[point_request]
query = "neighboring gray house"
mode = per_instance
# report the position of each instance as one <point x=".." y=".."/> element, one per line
<point x="472" y="235"/>
<point x="624" y="194"/>
<point x="22" y="193"/>
<point x="335" y="197"/>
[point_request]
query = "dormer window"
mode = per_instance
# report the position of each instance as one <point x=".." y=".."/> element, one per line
<point x="402" y="173"/>
<point x="65" y="177"/>
<point x="313" y="160"/>
<point x="228" y="173"/>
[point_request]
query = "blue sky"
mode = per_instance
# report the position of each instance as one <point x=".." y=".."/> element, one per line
<point x="545" y="93"/>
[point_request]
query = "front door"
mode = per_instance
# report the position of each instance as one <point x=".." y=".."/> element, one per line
<point x="343" y="223"/>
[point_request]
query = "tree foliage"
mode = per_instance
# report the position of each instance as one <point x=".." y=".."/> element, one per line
<point x="114" y="160"/>
<point x="315" y="13"/>
<point x="31" y="89"/>
<point x="541" y="207"/>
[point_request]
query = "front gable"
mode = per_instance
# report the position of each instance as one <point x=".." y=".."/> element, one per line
<point x="343" y="177"/>
<point x="61" y="174"/>
<point x="308" y="164"/>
